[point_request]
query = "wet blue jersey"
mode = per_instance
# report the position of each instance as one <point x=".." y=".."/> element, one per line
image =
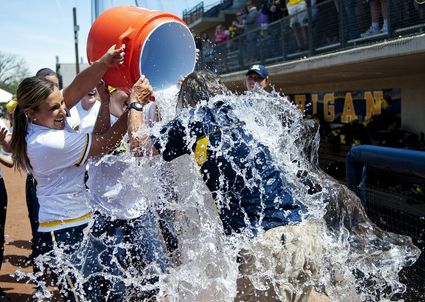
<point x="249" y="188"/>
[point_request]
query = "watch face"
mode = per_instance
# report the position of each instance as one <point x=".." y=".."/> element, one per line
<point x="137" y="106"/>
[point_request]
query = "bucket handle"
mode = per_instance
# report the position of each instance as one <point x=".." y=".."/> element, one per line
<point x="124" y="39"/>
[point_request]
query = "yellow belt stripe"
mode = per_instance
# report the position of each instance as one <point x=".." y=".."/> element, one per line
<point x="201" y="150"/>
<point x="84" y="151"/>
<point x="66" y="221"/>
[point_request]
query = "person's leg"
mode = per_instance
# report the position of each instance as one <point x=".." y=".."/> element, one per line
<point x="33" y="207"/>
<point x="148" y="255"/>
<point x="374" y="14"/>
<point x="102" y="268"/>
<point x="3" y="207"/>
<point x="374" y="11"/>
<point x="298" y="36"/>
<point x="58" y="252"/>
<point x="384" y="12"/>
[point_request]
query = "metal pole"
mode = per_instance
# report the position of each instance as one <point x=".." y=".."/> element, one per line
<point x="389" y="19"/>
<point x="310" y="29"/>
<point x="342" y="36"/>
<point x="76" y="29"/>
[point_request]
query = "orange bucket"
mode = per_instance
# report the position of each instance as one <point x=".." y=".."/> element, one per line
<point x="159" y="45"/>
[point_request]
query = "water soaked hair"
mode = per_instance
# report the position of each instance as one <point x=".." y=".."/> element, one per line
<point x="30" y="94"/>
<point x="199" y="86"/>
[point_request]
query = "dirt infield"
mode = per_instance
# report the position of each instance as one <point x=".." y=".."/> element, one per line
<point x="18" y="235"/>
<point x="18" y="246"/>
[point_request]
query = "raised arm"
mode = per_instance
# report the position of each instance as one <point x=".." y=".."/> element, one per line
<point x="140" y="142"/>
<point x="103" y="121"/>
<point x="91" y="76"/>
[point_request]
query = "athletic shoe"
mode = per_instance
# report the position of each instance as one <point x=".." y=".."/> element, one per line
<point x="371" y="32"/>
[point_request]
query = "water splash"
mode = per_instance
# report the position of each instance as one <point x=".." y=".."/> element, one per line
<point x="357" y="260"/>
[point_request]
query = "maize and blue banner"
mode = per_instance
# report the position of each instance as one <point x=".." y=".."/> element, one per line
<point x="344" y="107"/>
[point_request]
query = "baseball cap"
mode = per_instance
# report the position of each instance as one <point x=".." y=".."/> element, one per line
<point x="261" y="70"/>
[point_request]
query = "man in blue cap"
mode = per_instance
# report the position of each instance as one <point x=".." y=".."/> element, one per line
<point x="257" y="74"/>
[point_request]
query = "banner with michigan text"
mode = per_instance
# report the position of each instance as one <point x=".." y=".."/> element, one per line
<point x="344" y="107"/>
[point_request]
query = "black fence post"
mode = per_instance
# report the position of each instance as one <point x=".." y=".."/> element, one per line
<point x="389" y="19"/>
<point x="283" y="35"/>
<point x="241" y="51"/>
<point x="310" y="29"/>
<point x="342" y="37"/>
<point x="261" y="45"/>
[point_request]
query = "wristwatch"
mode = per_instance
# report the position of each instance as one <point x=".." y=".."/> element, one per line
<point x="134" y="105"/>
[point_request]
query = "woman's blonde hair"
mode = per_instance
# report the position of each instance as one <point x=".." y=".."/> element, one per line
<point x="30" y="94"/>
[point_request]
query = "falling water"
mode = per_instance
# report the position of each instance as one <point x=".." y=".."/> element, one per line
<point x="360" y="262"/>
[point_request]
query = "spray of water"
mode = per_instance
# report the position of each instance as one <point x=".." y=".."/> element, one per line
<point x="355" y="260"/>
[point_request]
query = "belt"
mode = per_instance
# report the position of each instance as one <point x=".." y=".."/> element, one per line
<point x="54" y="223"/>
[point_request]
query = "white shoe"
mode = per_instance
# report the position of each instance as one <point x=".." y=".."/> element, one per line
<point x="384" y="29"/>
<point x="370" y="32"/>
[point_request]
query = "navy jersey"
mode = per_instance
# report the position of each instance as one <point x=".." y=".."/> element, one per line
<point x="239" y="171"/>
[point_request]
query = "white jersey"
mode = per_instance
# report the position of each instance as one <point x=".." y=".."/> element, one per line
<point x="58" y="161"/>
<point x="113" y="185"/>
<point x="86" y="118"/>
<point x="112" y="189"/>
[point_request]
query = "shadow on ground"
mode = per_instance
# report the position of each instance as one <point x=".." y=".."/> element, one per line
<point x="22" y="244"/>
<point x="18" y="261"/>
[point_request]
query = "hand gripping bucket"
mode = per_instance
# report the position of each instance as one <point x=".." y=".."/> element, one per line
<point x="158" y="45"/>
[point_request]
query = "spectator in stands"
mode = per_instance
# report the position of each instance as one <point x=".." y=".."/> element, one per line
<point x="257" y="75"/>
<point x="274" y="10"/>
<point x="251" y="24"/>
<point x="232" y="30"/>
<point x="221" y="34"/>
<point x="239" y="23"/>
<point x="297" y="9"/>
<point x="263" y="19"/>
<point x="377" y="7"/>
<point x="205" y="37"/>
